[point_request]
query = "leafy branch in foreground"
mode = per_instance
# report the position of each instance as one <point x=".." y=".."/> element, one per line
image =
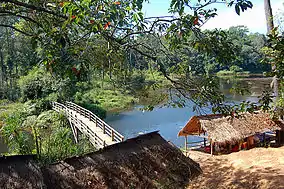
<point x="64" y="32"/>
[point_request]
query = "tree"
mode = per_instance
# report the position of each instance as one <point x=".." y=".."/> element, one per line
<point x="270" y="26"/>
<point x="268" y="16"/>
<point x="61" y="32"/>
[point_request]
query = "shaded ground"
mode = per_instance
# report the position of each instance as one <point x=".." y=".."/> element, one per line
<point x="256" y="168"/>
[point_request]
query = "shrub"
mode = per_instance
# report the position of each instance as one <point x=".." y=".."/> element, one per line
<point x="40" y="84"/>
<point x="48" y="135"/>
<point x="36" y="84"/>
<point x="235" y="69"/>
<point x="87" y="102"/>
<point x="99" y="111"/>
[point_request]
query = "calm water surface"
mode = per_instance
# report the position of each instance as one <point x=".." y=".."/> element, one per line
<point x="170" y="120"/>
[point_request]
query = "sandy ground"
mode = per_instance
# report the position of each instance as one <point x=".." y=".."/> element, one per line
<point x="256" y="168"/>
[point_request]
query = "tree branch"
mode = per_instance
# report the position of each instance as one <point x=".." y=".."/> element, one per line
<point x="16" y="29"/>
<point x="33" y="7"/>
<point x="18" y="15"/>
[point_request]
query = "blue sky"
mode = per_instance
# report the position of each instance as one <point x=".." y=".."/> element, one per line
<point x="254" y="19"/>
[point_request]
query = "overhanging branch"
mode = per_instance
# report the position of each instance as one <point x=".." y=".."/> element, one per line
<point x="8" y="13"/>
<point x="33" y="7"/>
<point x="16" y="29"/>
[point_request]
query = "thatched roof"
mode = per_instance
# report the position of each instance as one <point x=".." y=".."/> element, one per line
<point x="20" y="171"/>
<point x="220" y="128"/>
<point x="147" y="161"/>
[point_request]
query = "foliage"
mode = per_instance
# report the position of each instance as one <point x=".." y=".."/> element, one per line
<point x="48" y="134"/>
<point x="37" y="84"/>
<point x="87" y="102"/>
<point x="56" y="137"/>
<point x="265" y="100"/>
<point x="274" y="53"/>
<point x="66" y="35"/>
<point x="235" y="69"/>
<point x="231" y="73"/>
<point x="41" y="84"/>
<point x="19" y="139"/>
<point x="107" y="99"/>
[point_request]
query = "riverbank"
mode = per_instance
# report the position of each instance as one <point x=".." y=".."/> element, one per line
<point x="256" y="168"/>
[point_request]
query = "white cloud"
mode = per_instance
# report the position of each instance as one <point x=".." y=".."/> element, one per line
<point x="253" y="18"/>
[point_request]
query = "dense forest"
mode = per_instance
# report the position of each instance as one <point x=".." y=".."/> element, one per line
<point x="106" y="56"/>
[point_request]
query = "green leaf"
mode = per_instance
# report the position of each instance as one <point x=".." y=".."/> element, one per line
<point x="249" y="4"/>
<point x="237" y="9"/>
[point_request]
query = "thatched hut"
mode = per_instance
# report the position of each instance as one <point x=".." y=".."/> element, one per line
<point x="218" y="128"/>
<point x="147" y="161"/>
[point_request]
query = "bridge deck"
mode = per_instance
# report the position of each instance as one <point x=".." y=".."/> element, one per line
<point x="99" y="133"/>
<point x="94" y="128"/>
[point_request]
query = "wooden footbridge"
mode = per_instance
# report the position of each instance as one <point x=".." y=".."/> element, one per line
<point x="99" y="132"/>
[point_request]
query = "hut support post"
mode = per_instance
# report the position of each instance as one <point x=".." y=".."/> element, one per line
<point x="277" y="138"/>
<point x="211" y="144"/>
<point x="264" y="141"/>
<point x="185" y="145"/>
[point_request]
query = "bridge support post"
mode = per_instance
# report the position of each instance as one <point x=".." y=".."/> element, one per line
<point x="112" y="135"/>
<point x="74" y="131"/>
<point x="77" y="135"/>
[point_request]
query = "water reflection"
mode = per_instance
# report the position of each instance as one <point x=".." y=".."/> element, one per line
<point x="170" y="120"/>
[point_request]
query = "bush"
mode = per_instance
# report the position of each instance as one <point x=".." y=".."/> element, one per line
<point x="18" y="137"/>
<point x="87" y="102"/>
<point x="235" y="69"/>
<point x="232" y="73"/>
<point x="40" y="84"/>
<point x="36" y="107"/>
<point x="99" y="111"/>
<point x="48" y="135"/>
<point x="36" y="84"/>
<point x="225" y="73"/>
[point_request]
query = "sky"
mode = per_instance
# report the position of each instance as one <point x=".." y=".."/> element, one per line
<point x="253" y="18"/>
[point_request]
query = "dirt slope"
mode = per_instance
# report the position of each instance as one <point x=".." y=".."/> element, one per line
<point x="256" y="168"/>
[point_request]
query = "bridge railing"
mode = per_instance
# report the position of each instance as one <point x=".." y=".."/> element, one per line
<point x="93" y="137"/>
<point x="108" y="130"/>
<point x="58" y="106"/>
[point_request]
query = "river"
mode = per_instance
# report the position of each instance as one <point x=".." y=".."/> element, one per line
<point x="170" y="120"/>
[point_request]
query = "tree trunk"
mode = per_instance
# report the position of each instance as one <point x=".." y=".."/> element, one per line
<point x="109" y="62"/>
<point x="270" y="26"/>
<point x="268" y="16"/>
<point x="1" y="67"/>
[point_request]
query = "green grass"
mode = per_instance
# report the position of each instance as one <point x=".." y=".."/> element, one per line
<point x="225" y="73"/>
<point x="110" y="100"/>
<point x="113" y="100"/>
